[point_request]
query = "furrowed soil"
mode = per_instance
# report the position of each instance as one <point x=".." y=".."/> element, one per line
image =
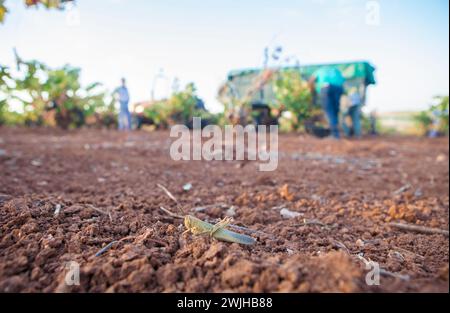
<point x="66" y="195"/>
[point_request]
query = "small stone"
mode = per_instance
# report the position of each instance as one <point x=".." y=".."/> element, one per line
<point x="36" y="163"/>
<point x="289" y="214"/>
<point x="187" y="187"/>
<point x="440" y="158"/>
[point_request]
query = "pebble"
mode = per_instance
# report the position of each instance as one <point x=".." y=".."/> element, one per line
<point x="289" y="214"/>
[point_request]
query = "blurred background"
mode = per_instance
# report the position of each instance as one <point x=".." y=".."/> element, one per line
<point x="161" y="46"/>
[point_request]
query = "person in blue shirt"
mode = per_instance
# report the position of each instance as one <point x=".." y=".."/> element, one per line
<point x="328" y="83"/>
<point x="124" y="114"/>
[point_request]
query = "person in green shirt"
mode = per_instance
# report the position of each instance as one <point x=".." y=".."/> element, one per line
<point x="328" y="83"/>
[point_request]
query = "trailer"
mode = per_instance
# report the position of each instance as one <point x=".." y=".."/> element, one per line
<point x="254" y="85"/>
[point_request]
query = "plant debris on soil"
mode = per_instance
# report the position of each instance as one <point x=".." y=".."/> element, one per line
<point x="92" y="197"/>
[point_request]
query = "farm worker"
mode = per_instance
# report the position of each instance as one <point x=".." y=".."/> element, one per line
<point x="373" y="123"/>
<point x="354" y="112"/>
<point x="328" y="83"/>
<point x="124" y="114"/>
<point x="435" y="123"/>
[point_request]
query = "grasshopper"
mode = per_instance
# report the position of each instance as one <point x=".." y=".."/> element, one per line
<point x="199" y="227"/>
<point x="217" y="231"/>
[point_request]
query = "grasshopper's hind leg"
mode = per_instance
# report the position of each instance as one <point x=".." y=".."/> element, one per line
<point x="219" y="225"/>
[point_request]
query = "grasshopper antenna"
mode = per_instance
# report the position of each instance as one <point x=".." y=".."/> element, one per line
<point x="172" y="197"/>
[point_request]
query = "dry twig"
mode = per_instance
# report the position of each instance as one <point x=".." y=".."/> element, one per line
<point x="419" y="229"/>
<point x="408" y="252"/>
<point x="340" y="245"/>
<point x="100" y="211"/>
<point x="168" y="193"/>
<point x="171" y="213"/>
<point x="402" y="189"/>
<point x="205" y="207"/>
<point x="172" y="197"/>
<point x="105" y="248"/>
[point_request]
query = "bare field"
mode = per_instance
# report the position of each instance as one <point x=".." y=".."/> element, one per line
<point x="104" y="183"/>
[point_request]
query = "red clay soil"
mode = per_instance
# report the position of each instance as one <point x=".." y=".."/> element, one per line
<point x="104" y="183"/>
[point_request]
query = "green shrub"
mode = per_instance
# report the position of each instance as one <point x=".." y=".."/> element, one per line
<point x="51" y="96"/>
<point x="292" y="95"/>
<point x="180" y="108"/>
<point x="435" y="118"/>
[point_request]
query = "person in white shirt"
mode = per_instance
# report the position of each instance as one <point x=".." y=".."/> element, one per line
<point x="124" y="114"/>
<point x="354" y="112"/>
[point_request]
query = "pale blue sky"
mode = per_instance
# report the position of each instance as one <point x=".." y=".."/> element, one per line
<point x="201" y="41"/>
